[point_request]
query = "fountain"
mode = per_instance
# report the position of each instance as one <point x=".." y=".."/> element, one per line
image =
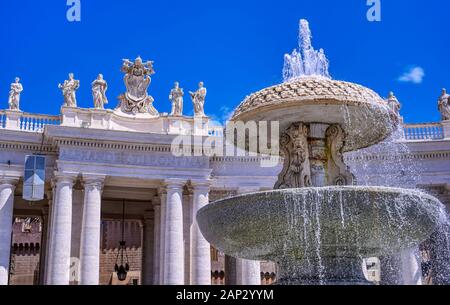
<point x="316" y="224"/>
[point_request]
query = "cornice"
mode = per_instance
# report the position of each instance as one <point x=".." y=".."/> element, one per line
<point x="413" y="155"/>
<point x="29" y="147"/>
<point x="164" y="148"/>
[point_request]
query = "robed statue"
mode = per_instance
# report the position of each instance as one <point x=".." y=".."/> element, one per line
<point x="198" y="99"/>
<point x="444" y="105"/>
<point x="99" y="88"/>
<point x="176" y="96"/>
<point x="69" y="88"/>
<point x="14" y="95"/>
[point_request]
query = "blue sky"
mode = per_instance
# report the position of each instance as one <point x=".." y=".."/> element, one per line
<point x="235" y="47"/>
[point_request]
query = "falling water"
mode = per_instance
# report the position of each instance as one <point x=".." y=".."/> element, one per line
<point x="305" y="61"/>
<point x="391" y="163"/>
<point x="332" y="229"/>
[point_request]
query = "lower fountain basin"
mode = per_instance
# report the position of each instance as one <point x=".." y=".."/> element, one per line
<point x="320" y="223"/>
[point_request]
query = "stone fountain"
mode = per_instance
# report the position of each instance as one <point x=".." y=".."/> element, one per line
<point x="321" y="225"/>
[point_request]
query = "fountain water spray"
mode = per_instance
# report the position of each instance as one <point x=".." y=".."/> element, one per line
<point x="306" y="61"/>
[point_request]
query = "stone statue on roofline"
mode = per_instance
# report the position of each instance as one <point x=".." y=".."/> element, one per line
<point x="176" y="96"/>
<point x="444" y="105"/>
<point x="69" y="88"/>
<point x="99" y="88"/>
<point x="14" y="95"/>
<point x="395" y="106"/>
<point x="198" y="99"/>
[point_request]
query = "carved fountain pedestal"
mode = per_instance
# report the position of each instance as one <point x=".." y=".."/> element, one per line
<point x="313" y="156"/>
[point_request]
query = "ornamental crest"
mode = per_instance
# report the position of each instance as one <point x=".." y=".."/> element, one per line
<point x="137" y="80"/>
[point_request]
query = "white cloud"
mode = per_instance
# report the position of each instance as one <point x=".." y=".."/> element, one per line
<point x="414" y="75"/>
<point x="222" y="117"/>
<point x="227" y="113"/>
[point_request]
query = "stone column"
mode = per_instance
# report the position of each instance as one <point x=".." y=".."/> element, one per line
<point x="187" y="224"/>
<point x="91" y="230"/>
<point x="162" y="238"/>
<point x="411" y="266"/>
<point x="157" y="242"/>
<point x="51" y="195"/>
<point x="200" y="248"/>
<point x="174" y="245"/>
<point x="231" y="272"/>
<point x="61" y="230"/>
<point x="248" y="272"/>
<point x="77" y="225"/>
<point x="7" y="188"/>
<point x="44" y="243"/>
<point x="148" y="247"/>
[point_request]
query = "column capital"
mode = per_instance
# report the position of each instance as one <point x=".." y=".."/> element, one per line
<point x="64" y="178"/>
<point x="174" y="183"/>
<point x="162" y="191"/>
<point x="93" y="181"/>
<point x="49" y="194"/>
<point x="201" y="185"/>
<point x="9" y="180"/>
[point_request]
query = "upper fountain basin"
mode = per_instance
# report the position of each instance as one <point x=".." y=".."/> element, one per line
<point x="361" y="112"/>
<point x="330" y="221"/>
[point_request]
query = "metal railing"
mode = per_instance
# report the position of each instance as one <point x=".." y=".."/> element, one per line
<point x="421" y="132"/>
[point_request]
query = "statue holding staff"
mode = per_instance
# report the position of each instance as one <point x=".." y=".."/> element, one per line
<point x="444" y="105"/>
<point x="99" y="88"/>
<point x="69" y="88"/>
<point x="198" y="99"/>
<point x="14" y="95"/>
<point x="176" y="96"/>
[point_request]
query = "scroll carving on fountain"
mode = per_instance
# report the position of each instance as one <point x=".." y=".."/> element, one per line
<point x="297" y="170"/>
<point x="137" y="80"/>
<point x="338" y="172"/>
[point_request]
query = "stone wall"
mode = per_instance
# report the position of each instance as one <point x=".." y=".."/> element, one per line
<point x="111" y="236"/>
<point x="25" y="252"/>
